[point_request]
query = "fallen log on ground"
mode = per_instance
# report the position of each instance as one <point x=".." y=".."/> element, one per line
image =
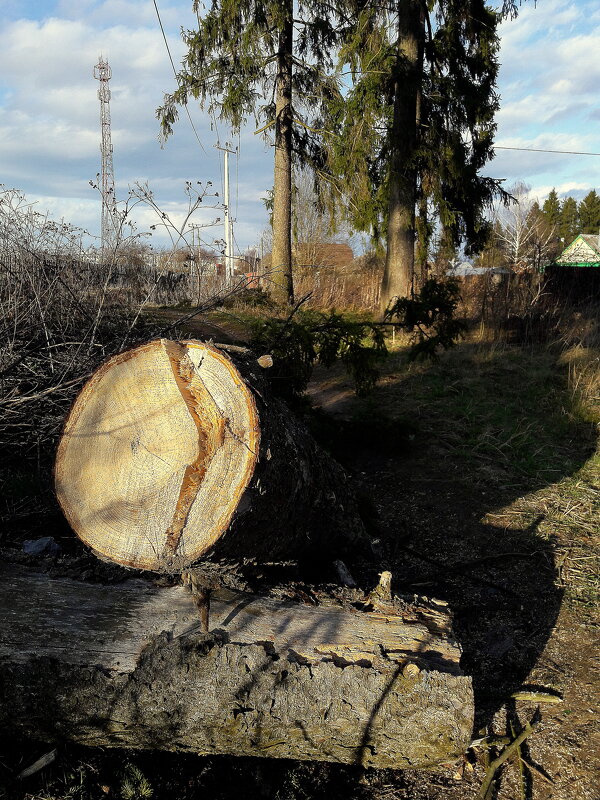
<point x="173" y="452"/>
<point x="126" y="666"/>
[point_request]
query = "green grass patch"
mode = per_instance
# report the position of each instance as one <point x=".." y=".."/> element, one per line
<point x="502" y="412"/>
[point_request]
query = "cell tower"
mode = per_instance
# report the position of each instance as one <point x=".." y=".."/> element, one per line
<point x="103" y="73"/>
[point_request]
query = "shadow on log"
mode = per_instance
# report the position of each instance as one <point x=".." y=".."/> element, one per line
<point x="126" y="666"/>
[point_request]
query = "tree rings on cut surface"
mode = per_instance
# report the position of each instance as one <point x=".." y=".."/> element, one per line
<point x="156" y="454"/>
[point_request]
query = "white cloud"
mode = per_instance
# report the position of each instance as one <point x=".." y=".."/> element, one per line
<point x="566" y="112"/>
<point x="49" y="109"/>
<point x="547" y="20"/>
<point x="541" y="50"/>
<point x="573" y="188"/>
<point x="27" y="135"/>
<point x="551" y="141"/>
<point x="129" y="13"/>
<point x="50" y="130"/>
<point x="548" y="84"/>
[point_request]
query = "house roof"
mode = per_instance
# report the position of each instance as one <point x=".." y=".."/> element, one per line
<point x="465" y="269"/>
<point x="593" y="240"/>
<point x="583" y="251"/>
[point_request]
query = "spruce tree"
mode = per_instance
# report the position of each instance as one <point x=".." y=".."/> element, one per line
<point x="535" y="211"/>
<point x="264" y="59"/>
<point x="551" y="216"/>
<point x="418" y="121"/>
<point x="589" y="213"/>
<point x="569" y="220"/>
<point x="551" y="209"/>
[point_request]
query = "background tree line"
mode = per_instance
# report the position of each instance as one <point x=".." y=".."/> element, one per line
<point x="569" y="218"/>
<point x="527" y="236"/>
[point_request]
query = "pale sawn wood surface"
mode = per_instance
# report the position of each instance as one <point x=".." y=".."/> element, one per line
<point x="174" y="453"/>
<point x="156" y="453"/>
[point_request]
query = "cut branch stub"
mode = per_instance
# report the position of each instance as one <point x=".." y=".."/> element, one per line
<point x="156" y="454"/>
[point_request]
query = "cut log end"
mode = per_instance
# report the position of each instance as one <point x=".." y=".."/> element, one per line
<point x="156" y="454"/>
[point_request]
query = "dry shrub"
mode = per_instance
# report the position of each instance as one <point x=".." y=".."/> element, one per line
<point x="354" y="287"/>
<point x="63" y="311"/>
<point x="579" y="339"/>
<point x="173" y="277"/>
<point x="530" y="308"/>
<point x="506" y="307"/>
<point x="59" y="320"/>
<point x="561" y="311"/>
<point x="584" y="380"/>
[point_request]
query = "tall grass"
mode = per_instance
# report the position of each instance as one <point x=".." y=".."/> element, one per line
<point x="354" y="287"/>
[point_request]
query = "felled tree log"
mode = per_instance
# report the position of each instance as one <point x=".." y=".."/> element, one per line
<point x="125" y="666"/>
<point x="172" y="452"/>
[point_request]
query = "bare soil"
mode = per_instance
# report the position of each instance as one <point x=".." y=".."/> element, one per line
<point x="515" y="555"/>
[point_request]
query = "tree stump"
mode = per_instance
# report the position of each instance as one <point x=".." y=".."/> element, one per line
<point x="173" y="452"/>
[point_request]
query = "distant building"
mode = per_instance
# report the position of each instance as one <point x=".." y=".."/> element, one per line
<point x="466" y="270"/>
<point x="584" y="251"/>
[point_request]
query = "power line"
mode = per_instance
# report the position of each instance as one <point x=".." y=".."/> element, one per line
<point x="175" y="73"/>
<point x="210" y="111"/>
<point x="536" y="150"/>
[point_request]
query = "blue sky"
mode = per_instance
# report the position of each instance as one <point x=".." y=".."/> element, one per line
<point x="549" y="82"/>
<point x="49" y="110"/>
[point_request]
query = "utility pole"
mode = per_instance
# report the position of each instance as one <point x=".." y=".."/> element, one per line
<point x="228" y="219"/>
<point x="103" y="73"/>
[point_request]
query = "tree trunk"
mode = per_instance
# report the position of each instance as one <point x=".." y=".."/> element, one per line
<point x="400" y="255"/>
<point x="172" y="453"/>
<point x="423" y="229"/>
<point x="422" y="221"/>
<point x="125" y="666"/>
<point x="280" y="276"/>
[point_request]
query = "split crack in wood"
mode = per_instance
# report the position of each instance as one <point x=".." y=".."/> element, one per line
<point x="195" y="395"/>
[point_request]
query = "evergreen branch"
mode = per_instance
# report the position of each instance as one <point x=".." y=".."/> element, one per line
<point x="312" y="130"/>
<point x="269" y="124"/>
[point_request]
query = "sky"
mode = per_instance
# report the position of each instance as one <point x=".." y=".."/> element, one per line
<point x="50" y="112"/>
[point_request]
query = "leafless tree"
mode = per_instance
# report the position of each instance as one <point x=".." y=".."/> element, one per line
<point x="524" y="235"/>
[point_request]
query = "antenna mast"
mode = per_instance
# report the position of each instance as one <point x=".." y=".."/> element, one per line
<point x="103" y="73"/>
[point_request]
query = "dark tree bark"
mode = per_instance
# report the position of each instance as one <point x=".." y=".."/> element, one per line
<point x="280" y="276"/>
<point x="400" y="255"/>
<point x="173" y="453"/>
<point x="125" y="666"/>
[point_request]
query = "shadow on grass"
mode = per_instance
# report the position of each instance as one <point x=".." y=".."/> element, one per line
<point x="443" y="451"/>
